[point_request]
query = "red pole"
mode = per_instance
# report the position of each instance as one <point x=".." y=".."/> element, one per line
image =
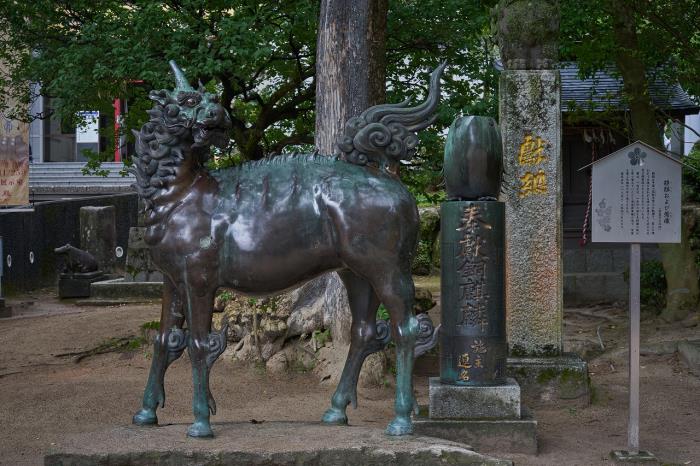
<point x="117" y="113"/>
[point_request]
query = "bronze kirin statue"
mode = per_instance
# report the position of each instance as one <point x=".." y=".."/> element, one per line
<point x="270" y="225"/>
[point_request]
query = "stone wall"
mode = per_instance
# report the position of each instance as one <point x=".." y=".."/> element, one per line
<point x="595" y="273"/>
<point x="28" y="235"/>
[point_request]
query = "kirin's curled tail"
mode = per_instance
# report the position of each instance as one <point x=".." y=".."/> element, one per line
<point x="385" y="134"/>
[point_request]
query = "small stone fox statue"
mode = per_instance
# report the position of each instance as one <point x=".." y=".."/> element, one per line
<point x="76" y="260"/>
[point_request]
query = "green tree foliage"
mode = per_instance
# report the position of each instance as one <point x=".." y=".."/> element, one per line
<point x="258" y="55"/>
<point x="667" y="43"/>
<point x="642" y="39"/>
<point x="421" y="33"/>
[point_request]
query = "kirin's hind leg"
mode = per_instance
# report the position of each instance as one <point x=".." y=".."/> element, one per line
<point x="396" y="291"/>
<point x="167" y="347"/>
<point x="363" y="342"/>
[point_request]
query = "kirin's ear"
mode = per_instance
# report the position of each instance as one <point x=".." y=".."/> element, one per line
<point x="161" y="96"/>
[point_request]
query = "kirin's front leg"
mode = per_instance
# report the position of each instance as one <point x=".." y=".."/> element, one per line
<point x="204" y="347"/>
<point x="167" y="347"/>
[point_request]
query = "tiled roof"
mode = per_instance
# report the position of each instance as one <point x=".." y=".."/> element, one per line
<point x="603" y="91"/>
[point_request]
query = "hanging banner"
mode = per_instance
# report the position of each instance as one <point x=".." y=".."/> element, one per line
<point x="14" y="162"/>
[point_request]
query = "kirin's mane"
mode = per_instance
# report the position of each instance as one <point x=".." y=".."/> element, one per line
<point x="160" y="146"/>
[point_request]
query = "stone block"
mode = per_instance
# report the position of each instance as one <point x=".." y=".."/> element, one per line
<point x="5" y="310"/>
<point x="120" y="289"/>
<point x="98" y="234"/>
<point x="599" y="259"/>
<point x="562" y="379"/>
<point x="574" y="261"/>
<point x="595" y="288"/>
<point x="77" y="285"/>
<point x="139" y="266"/>
<point x="530" y="119"/>
<point x="472" y="402"/>
<point x="621" y="258"/>
<point x="502" y="435"/>
<point x="642" y="456"/>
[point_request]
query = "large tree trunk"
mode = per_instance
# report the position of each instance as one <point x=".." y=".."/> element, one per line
<point x="350" y="76"/>
<point x="350" y="64"/>
<point x="679" y="265"/>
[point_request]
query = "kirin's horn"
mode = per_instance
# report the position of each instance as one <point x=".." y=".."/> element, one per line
<point x="182" y="83"/>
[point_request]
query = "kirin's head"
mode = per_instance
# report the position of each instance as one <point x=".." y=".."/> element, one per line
<point x="183" y="124"/>
<point x="193" y="109"/>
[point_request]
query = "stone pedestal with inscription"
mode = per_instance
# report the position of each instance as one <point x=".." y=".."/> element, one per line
<point x="530" y="118"/>
<point x="472" y="401"/>
<point x="472" y="332"/>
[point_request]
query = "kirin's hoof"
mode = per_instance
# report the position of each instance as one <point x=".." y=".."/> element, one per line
<point x="334" y="417"/>
<point x="200" y="430"/>
<point x="400" y="426"/>
<point x="145" y="417"/>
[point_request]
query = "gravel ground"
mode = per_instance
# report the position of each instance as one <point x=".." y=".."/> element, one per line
<point x="46" y="397"/>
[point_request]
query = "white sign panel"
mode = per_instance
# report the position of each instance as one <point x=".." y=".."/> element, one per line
<point x="89" y="132"/>
<point x="636" y="197"/>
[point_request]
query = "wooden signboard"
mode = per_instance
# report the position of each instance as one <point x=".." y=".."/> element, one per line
<point x="636" y="199"/>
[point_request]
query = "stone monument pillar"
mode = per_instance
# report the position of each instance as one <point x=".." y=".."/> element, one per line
<point x="473" y="401"/>
<point x="530" y="119"/>
<point x="531" y="124"/>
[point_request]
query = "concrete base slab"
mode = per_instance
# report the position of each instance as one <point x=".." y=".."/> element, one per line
<point x="474" y="402"/>
<point x="78" y="285"/>
<point x="125" y="291"/>
<point x="624" y="456"/>
<point x="559" y="378"/>
<point x="505" y="435"/>
<point x="269" y="443"/>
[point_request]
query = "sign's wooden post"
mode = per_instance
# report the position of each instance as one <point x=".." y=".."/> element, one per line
<point x="633" y="423"/>
<point x="636" y="199"/>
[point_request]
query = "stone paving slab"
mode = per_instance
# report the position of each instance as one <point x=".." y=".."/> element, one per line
<point x="502" y="435"/>
<point x="474" y="402"/>
<point x="268" y="443"/>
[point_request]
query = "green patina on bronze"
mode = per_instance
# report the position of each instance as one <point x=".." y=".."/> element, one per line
<point x="473" y="316"/>
<point x="268" y="226"/>
<point x="473" y="345"/>
<point x="473" y="159"/>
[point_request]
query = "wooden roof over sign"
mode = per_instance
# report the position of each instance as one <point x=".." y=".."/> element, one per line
<point x="647" y="147"/>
